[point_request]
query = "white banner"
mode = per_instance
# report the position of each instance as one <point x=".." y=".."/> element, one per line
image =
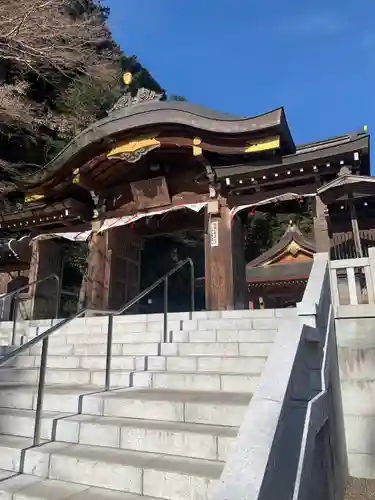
<point x="130" y="219"/>
<point x="119" y="221"/>
<point x="81" y="236"/>
<point x="275" y="199"/>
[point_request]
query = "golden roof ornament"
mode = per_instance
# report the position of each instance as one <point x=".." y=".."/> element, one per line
<point x="135" y="95"/>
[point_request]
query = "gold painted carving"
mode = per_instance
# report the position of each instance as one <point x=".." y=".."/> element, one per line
<point x="197" y="150"/>
<point x="263" y="144"/>
<point x="293" y="248"/>
<point x="127" y="78"/>
<point x="29" y="198"/>
<point x="134" y="150"/>
<point x="76" y="177"/>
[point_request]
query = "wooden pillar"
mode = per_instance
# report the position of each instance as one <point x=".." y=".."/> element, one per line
<point x="321" y="233"/>
<point x="98" y="270"/>
<point x="355" y="228"/>
<point x="125" y="271"/>
<point x="113" y="275"/>
<point x="225" y="279"/>
<point x="46" y="259"/>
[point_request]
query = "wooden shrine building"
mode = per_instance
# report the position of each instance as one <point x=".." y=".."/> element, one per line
<point x="155" y="168"/>
<point x="277" y="278"/>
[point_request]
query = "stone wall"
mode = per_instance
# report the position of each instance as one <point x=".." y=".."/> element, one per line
<point x="291" y="443"/>
<point x="355" y="327"/>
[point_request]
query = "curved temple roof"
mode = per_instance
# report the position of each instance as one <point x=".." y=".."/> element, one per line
<point x="105" y="133"/>
<point x="291" y="235"/>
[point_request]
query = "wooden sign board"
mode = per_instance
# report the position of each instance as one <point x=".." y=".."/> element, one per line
<point x="214" y="233"/>
<point x="150" y="193"/>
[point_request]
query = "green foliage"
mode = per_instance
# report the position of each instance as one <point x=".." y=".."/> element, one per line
<point x="78" y="8"/>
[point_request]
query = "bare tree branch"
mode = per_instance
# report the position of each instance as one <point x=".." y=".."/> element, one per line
<point x="40" y="37"/>
<point x="40" y="33"/>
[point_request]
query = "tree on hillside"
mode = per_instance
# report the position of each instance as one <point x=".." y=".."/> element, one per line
<point x="44" y="46"/>
<point x="60" y="70"/>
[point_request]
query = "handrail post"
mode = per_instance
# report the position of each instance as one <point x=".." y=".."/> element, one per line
<point x="108" y="362"/>
<point x="58" y="295"/>
<point x="165" y="329"/>
<point x="15" y="310"/>
<point x="41" y="386"/>
<point x="44" y="336"/>
<point x="192" y="289"/>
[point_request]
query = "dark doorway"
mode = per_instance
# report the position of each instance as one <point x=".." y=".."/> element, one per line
<point x="160" y="255"/>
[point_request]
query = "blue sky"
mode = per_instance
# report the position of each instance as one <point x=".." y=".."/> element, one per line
<point x="317" y="59"/>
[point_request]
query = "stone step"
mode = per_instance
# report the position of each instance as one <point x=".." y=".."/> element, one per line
<point x="222" y="336"/>
<point x="209" y="381"/>
<point x="119" y="378"/>
<point x="175" y="438"/>
<point x="235" y="364"/>
<point x="200" y="407"/>
<point x="10" y="451"/>
<point x="87" y="362"/>
<point x="231" y="349"/>
<point x="239" y="364"/>
<point x="16" y="422"/>
<point x="203" y="364"/>
<point x="119" y="327"/>
<point x="173" y="336"/>
<point x="57" y="398"/>
<point x="70" y="376"/>
<point x="136" y="349"/>
<point x="163" y="476"/>
<point x="118" y="338"/>
<point x="25" y="487"/>
<point x="257" y="349"/>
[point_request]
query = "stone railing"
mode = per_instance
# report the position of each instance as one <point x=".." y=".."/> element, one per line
<point x="291" y="443"/>
<point x="353" y="280"/>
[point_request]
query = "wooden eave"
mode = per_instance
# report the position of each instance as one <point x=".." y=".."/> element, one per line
<point x="9" y="266"/>
<point x="57" y="214"/>
<point x="345" y="186"/>
<point x="295" y="271"/>
<point x="273" y="254"/>
<point x="317" y="153"/>
<point x="105" y="134"/>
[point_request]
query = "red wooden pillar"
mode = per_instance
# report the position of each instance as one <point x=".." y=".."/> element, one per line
<point x="225" y="278"/>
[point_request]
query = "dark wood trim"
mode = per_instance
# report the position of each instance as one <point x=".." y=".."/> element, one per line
<point x="339" y="152"/>
<point x="9" y="268"/>
<point x="252" y="199"/>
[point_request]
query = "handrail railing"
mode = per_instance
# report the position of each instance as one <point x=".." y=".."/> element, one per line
<point x="17" y="292"/>
<point x="44" y="336"/>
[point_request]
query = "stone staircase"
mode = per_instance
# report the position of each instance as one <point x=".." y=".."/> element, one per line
<point x="165" y="429"/>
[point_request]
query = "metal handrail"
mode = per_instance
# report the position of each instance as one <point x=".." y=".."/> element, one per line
<point x="26" y="287"/>
<point x="44" y="337"/>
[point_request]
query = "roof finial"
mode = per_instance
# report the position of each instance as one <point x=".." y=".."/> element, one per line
<point x="345" y="170"/>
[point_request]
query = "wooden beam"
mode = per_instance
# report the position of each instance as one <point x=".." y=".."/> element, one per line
<point x="252" y="199"/>
<point x="354" y="221"/>
<point x="321" y="234"/>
